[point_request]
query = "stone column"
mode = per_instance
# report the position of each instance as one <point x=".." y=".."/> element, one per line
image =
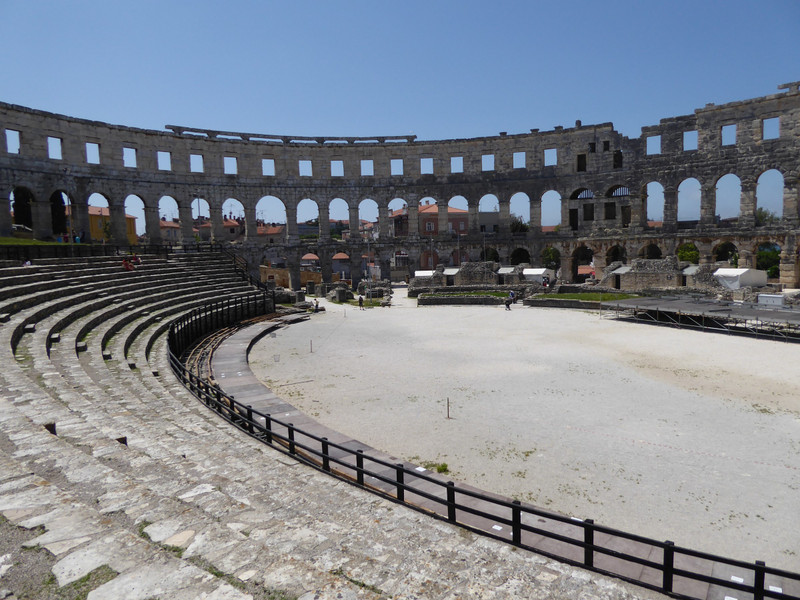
<point x="441" y="214"/>
<point x="747" y="203"/>
<point x="383" y="220"/>
<point x="152" y="223"/>
<point x="42" y="219"/>
<point x="747" y="259"/>
<point x="535" y="217"/>
<point x="505" y="214"/>
<point x="789" y="265"/>
<point x="355" y="267"/>
<point x="5" y="214"/>
<point x="670" y="209"/>
<point x="413" y="220"/>
<point x="707" y="205"/>
<point x="185" y="218"/>
<point x="326" y="266"/>
<point x="355" y="229"/>
<point x="472" y="216"/>
<point x="385" y="264"/>
<point x="119" y="233"/>
<point x="791" y="197"/>
<point x="250" y="225"/>
<point x="324" y="222"/>
<point x="566" y="269"/>
<point x="292" y="236"/>
<point x="217" y="219"/>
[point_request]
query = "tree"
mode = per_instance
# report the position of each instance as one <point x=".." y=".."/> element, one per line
<point x="551" y="259"/>
<point x="688" y="252"/>
<point x="518" y="225"/>
<point x="768" y="258"/>
<point x="765" y="216"/>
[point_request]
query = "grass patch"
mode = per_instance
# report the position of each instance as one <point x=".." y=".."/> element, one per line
<point x="438" y="467"/>
<point x="485" y="294"/>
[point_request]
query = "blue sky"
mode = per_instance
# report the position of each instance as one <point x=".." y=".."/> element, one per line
<point x="438" y="69"/>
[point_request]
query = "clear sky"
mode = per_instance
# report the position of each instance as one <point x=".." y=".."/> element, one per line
<point x="435" y="68"/>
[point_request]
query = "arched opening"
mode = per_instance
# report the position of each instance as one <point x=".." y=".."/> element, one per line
<point x="520" y="209"/>
<point x="768" y="258"/>
<point x="489" y="214"/>
<point x="582" y="264"/>
<point x="651" y="251"/>
<point x="616" y="254"/>
<point x="490" y="254"/>
<point x="339" y="217"/>
<point x="689" y="202"/>
<point x="368" y="219"/>
<point x="551" y="211"/>
<point x="726" y="252"/>
<point x="271" y="220"/>
<point x="20" y="202"/>
<point x="134" y="207"/>
<point x="428" y="217"/>
<point x="429" y="259"/>
<point x="307" y="219"/>
<point x="688" y="252"/>
<point x="59" y="215"/>
<point x="551" y="258"/>
<point x="201" y="219"/>
<point x="654" y="204"/>
<point x="99" y="218"/>
<point x="769" y="197"/>
<point x="398" y="220"/>
<point x="519" y="256"/>
<point x="728" y="198"/>
<point x="617" y="205"/>
<point x="233" y="222"/>
<point x="458" y="256"/>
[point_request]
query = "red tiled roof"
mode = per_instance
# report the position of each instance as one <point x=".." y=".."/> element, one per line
<point x="310" y="256"/>
<point x="340" y="256"/>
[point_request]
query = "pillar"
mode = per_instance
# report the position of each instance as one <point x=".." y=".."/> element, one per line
<point x="292" y="237"/>
<point x="441" y="214"/>
<point x="383" y="220"/>
<point x="250" y="224"/>
<point x="707" y="205"/>
<point x="670" y="209"/>
<point x="505" y="214"/>
<point x="355" y="229"/>
<point x="152" y="223"/>
<point x="472" y="216"/>
<point x="747" y="203"/>
<point x="535" y="217"/>
<point x="413" y="221"/>
<point x="791" y="198"/>
<point x="185" y="218"/>
<point x="42" y="221"/>
<point x="215" y="214"/>
<point x="119" y="232"/>
<point x="566" y="269"/>
<point x="324" y="222"/>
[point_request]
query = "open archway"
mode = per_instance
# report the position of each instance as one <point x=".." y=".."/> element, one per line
<point x="650" y="251"/>
<point x="582" y="264"/>
<point x="689" y="201"/>
<point x="519" y="256"/>
<point x="59" y="215"/>
<point x="551" y="210"/>
<point x="726" y="252"/>
<point x="20" y="201"/>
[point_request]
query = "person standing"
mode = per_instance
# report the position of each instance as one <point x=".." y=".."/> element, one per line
<point x="360" y="302"/>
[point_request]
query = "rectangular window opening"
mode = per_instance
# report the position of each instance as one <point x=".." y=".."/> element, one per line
<point x="456" y="164"/>
<point x="728" y="135"/>
<point x="592" y="147"/>
<point x="519" y="160"/>
<point x="230" y="165"/>
<point x="581" y="162"/>
<point x="588" y="212"/>
<point x="268" y="167"/>
<point x="337" y="168"/>
<point x="654" y="144"/>
<point x="426" y="166"/>
<point x="12" y="141"/>
<point x="92" y="153"/>
<point x="304" y="167"/>
<point x="397" y="166"/>
<point x="367" y="168"/>
<point x="164" y="161"/>
<point x="618" y="159"/>
<point x="196" y="163"/>
<point x="771" y="128"/>
<point x="54" y="148"/>
<point x="610" y="211"/>
<point x="689" y="140"/>
<point x="550" y="157"/>
<point x="487" y="162"/>
<point x="606" y="146"/>
<point x="129" y="158"/>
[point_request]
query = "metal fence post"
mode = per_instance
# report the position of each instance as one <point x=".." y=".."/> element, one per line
<point x="290" y="430"/>
<point x="400" y="483"/>
<point x="326" y="462"/>
<point x="516" y="523"/>
<point x="360" y="466"/>
<point x="249" y="419"/>
<point x="268" y="427"/>
<point x="588" y="542"/>
<point x="451" y="501"/>
<point x="669" y="559"/>
<point x="758" y="580"/>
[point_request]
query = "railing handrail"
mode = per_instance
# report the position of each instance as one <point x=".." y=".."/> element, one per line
<point x="319" y="456"/>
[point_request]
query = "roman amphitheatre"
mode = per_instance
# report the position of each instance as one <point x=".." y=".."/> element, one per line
<point x="612" y="437"/>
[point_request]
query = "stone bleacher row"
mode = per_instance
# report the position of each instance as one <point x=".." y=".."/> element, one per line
<point x="103" y="447"/>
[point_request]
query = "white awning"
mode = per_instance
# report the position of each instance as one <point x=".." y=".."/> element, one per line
<point x="423" y="273"/>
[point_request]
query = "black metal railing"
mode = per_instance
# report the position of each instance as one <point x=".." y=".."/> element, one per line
<point x="653" y="564"/>
<point x="240" y="264"/>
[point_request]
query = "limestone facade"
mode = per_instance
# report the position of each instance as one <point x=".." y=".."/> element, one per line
<point x="600" y="175"/>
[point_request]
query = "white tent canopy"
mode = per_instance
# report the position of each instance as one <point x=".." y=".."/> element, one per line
<point x="538" y="274"/>
<point x="733" y="279"/>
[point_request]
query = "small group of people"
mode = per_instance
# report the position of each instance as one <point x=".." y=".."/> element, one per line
<point x="511" y="299"/>
<point x="129" y="264"/>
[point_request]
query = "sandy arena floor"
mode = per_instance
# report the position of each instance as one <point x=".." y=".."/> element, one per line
<point x="673" y="434"/>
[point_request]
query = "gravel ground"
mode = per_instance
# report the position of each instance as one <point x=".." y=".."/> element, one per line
<point x="673" y="434"/>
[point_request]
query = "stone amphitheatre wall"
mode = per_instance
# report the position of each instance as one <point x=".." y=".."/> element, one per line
<point x="600" y="175"/>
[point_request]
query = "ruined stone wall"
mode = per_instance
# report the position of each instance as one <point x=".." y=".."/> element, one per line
<point x="600" y="175"/>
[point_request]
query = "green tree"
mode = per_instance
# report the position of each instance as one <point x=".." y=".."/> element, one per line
<point x="768" y="258"/>
<point x="551" y="259"/>
<point x="518" y="225"/>
<point x="688" y="252"/>
<point x="765" y="216"/>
